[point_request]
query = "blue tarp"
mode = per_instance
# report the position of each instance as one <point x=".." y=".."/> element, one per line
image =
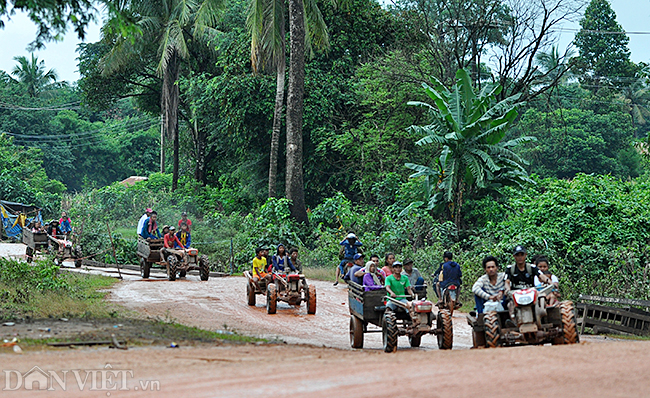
<point x="15" y="215"/>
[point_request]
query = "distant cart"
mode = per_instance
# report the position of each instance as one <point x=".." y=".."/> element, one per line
<point x="41" y="242"/>
<point x="175" y="262"/>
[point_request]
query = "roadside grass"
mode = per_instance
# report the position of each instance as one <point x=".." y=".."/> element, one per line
<point x="145" y="332"/>
<point x="45" y="292"/>
<point x="320" y="273"/>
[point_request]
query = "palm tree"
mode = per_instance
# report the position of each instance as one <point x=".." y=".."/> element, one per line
<point x="635" y="97"/>
<point x="467" y="130"/>
<point x="32" y="75"/>
<point x="553" y="67"/>
<point x="266" y="24"/>
<point x="170" y="26"/>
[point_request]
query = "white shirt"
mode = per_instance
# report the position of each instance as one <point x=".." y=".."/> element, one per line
<point x="553" y="280"/>
<point x="141" y="222"/>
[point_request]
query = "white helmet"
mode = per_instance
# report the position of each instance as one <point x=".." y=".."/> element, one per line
<point x="351" y="236"/>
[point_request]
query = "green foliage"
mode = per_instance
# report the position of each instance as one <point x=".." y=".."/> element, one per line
<point x="572" y="141"/>
<point x="592" y="228"/>
<point x="272" y="225"/>
<point x="466" y="131"/>
<point x="604" y="57"/>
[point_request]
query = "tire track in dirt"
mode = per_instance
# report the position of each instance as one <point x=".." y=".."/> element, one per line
<point x="221" y="302"/>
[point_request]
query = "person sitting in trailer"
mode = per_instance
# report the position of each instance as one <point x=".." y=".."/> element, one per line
<point x="280" y="260"/>
<point x="54" y="230"/>
<point x="65" y="223"/>
<point x="37" y="227"/>
<point x="150" y="227"/>
<point x="184" y="238"/>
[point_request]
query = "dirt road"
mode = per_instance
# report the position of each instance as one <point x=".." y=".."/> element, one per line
<point x="220" y="303"/>
<point x="590" y="369"/>
<point x="584" y="370"/>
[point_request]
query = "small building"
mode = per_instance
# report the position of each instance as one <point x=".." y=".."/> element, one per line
<point x="132" y="180"/>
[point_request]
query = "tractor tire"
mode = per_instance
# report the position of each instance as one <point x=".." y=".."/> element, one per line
<point x="271" y="299"/>
<point x="145" y="268"/>
<point x="250" y="293"/>
<point x="446" y="328"/>
<point x="570" y="331"/>
<point x="204" y="264"/>
<point x="492" y="329"/>
<point x="77" y="263"/>
<point x="29" y="254"/>
<point x="311" y="300"/>
<point x="356" y="332"/>
<point x="415" y="341"/>
<point x="389" y="331"/>
<point x="182" y="273"/>
<point x="171" y="271"/>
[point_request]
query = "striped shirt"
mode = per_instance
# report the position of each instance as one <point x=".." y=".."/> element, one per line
<point x="484" y="289"/>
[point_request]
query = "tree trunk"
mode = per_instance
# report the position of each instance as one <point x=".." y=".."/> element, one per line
<point x="162" y="142"/>
<point x="281" y="69"/>
<point x="170" y="100"/>
<point x="295" y="190"/>
<point x="201" y="143"/>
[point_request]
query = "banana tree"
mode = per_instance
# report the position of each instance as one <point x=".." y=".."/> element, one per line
<point x="467" y="130"/>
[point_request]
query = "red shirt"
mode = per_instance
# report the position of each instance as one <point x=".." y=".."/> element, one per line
<point x="169" y="241"/>
<point x="387" y="270"/>
<point x="188" y="222"/>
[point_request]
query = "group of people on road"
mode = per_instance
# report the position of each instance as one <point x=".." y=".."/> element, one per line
<point x="282" y="261"/>
<point x="56" y="228"/>
<point x="490" y="291"/>
<point x="148" y="229"/>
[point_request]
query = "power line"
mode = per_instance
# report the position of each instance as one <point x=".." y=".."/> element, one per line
<point x="127" y="125"/>
<point x="62" y="107"/>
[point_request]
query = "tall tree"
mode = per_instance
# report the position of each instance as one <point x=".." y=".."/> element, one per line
<point x="170" y="25"/>
<point x="604" y="56"/>
<point x="303" y="14"/>
<point x="467" y="129"/>
<point x="266" y="21"/>
<point x="32" y="75"/>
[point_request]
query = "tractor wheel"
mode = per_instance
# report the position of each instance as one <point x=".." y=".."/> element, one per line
<point x="446" y="328"/>
<point x="29" y="253"/>
<point x="182" y="273"/>
<point x="356" y="332"/>
<point x="570" y="332"/>
<point x="415" y="341"/>
<point x="271" y="299"/>
<point x="204" y="264"/>
<point x="77" y="263"/>
<point x="171" y="270"/>
<point x="145" y="268"/>
<point x="492" y="329"/>
<point x="250" y="293"/>
<point x="389" y="331"/>
<point x="311" y="300"/>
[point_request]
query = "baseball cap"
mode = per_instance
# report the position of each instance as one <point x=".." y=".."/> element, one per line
<point x="519" y="249"/>
<point x="358" y="256"/>
<point x="396" y="263"/>
<point x="408" y="261"/>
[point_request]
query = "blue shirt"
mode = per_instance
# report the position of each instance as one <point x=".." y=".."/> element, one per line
<point x="350" y="275"/>
<point x="280" y="262"/>
<point x="350" y="250"/>
<point x="451" y="274"/>
<point x="188" y="239"/>
<point x="155" y="234"/>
